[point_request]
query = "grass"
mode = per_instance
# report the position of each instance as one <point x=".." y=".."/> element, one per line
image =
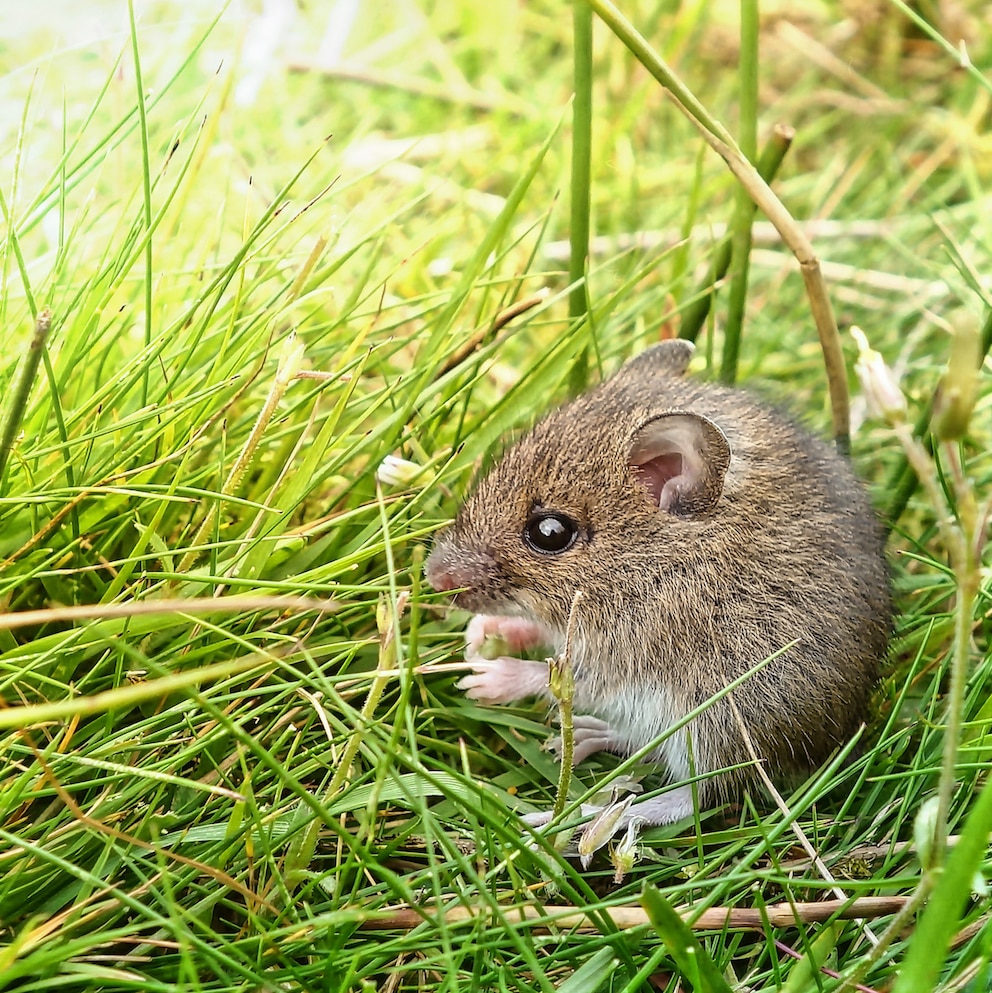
<point x="263" y="279"/>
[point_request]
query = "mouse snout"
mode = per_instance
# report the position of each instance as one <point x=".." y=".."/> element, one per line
<point x="449" y="568"/>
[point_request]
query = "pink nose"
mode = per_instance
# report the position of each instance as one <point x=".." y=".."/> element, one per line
<point x="445" y="575"/>
<point x="442" y="580"/>
<point x="449" y="568"/>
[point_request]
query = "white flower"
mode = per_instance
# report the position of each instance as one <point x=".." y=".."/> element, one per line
<point x="603" y="826"/>
<point x="884" y="397"/>
<point x="394" y="471"/>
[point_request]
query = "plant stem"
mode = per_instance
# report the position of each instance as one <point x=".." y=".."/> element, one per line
<point x="562" y="685"/>
<point x="146" y="189"/>
<point x="695" y="314"/>
<point x="902" y="481"/>
<point x="581" y="182"/>
<point x="18" y="397"/>
<point x="743" y="214"/>
<point x="964" y="541"/>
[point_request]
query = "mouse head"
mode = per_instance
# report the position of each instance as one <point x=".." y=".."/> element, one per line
<point x="600" y="494"/>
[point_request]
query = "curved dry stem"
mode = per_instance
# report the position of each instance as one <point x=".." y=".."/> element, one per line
<point x="719" y="139"/>
<point x="809" y="265"/>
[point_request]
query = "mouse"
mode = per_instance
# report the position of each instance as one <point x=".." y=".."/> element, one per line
<point x="680" y="535"/>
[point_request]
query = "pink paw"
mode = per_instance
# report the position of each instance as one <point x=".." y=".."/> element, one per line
<point x="518" y="634"/>
<point x="622" y="814"/>
<point x="504" y="680"/>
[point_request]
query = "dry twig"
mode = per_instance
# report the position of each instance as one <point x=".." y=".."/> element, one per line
<point x="626" y="917"/>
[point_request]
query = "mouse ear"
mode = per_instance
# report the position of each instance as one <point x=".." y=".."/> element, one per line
<point x="667" y="358"/>
<point x="681" y="459"/>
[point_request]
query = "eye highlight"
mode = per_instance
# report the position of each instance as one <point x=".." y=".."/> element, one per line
<point x="550" y="533"/>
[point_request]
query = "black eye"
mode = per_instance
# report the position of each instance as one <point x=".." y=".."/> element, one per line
<point x="550" y="533"/>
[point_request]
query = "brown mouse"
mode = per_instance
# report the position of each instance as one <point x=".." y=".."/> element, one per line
<point x="706" y="533"/>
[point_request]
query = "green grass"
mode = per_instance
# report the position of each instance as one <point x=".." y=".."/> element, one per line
<point x="230" y="796"/>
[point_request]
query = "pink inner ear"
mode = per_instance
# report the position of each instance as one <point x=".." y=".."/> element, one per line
<point x="654" y="473"/>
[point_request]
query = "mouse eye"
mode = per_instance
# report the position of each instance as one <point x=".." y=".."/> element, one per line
<point x="550" y="533"/>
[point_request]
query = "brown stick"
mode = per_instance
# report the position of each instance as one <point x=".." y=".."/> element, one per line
<point x="716" y="918"/>
<point x="499" y="322"/>
<point x="141" y="608"/>
<point x="794" y="236"/>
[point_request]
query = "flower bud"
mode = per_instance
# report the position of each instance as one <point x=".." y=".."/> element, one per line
<point x="602" y="827"/>
<point x="394" y="471"/>
<point x="955" y="397"/>
<point x="884" y="397"/>
<point x="624" y="853"/>
<point x="291" y="357"/>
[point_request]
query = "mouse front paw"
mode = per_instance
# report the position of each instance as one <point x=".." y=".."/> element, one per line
<point x="515" y="634"/>
<point x="504" y="680"/>
<point x="589" y="735"/>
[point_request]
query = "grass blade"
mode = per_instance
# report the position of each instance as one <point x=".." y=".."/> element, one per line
<point x="580" y="186"/>
<point x="694" y="963"/>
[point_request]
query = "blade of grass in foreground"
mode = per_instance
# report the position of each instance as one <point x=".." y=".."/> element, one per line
<point x="146" y="189"/>
<point x="942" y="916"/>
<point x="17" y="398"/>
<point x="694" y="962"/>
<point x="743" y="213"/>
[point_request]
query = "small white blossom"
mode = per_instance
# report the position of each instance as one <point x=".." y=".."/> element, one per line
<point x="394" y="471"/>
<point x="624" y="853"/>
<point x="884" y="397"/>
<point x="602" y="827"/>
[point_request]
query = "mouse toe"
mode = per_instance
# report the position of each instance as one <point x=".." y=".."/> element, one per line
<point x="589" y="736"/>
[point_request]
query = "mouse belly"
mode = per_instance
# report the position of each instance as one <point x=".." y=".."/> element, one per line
<point x="636" y="715"/>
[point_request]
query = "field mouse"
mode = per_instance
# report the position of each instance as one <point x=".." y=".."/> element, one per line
<point x="706" y="533"/>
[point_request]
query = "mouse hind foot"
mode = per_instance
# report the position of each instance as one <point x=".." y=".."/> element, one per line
<point x="671" y="806"/>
